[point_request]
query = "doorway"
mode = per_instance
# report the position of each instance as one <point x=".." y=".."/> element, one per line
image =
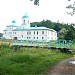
<point x="15" y="38"/>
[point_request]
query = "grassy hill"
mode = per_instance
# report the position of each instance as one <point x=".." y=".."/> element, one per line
<point x="28" y="61"/>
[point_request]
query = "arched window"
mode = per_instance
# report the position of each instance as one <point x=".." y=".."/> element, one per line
<point x="42" y="32"/>
<point x="24" y="21"/>
<point x="28" y="21"/>
<point x="37" y="32"/>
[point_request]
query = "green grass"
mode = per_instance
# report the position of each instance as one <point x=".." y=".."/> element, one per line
<point x="28" y="61"/>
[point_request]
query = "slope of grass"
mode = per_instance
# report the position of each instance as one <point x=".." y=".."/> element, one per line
<point x="28" y="61"/>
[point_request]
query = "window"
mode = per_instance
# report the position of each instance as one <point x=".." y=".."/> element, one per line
<point x="9" y="28"/>
<point x="14" y="32"/>
<point x="5" y="32"/>
<point x="34" y="32"/>
<point x="27" y="37"/>
<point x="42" y="37"/>
<point x="37" y="32"/>
<point x="42" y="32"/>
<point x="37" y="37"/>
<point x="33" y="37"/>
<point x="10" y="32"/>
<point x="24" y="21"/>
<point x="55" y="34"/>
<point x="27" y="33"/>
<point x="22" y="36"/>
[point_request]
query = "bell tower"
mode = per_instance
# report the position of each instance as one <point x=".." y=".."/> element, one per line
<point x="25" y="21"/>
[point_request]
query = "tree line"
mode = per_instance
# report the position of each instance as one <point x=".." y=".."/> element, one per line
<point x="65" y="31"/>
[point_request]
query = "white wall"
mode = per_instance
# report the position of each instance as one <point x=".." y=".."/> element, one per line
<point x="29" y="35"/>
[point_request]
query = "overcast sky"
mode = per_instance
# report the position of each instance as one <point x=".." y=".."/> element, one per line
<point x="53" y="10"/>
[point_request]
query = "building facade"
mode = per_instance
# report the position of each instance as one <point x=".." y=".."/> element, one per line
<point x="25" y="32"/>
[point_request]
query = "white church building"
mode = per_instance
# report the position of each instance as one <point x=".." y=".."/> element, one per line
<point x="26" y="32"/>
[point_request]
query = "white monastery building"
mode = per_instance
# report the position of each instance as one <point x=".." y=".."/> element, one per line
<point x="25" y="32"/>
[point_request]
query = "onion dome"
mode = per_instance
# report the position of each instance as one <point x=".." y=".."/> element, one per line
<point x="13" y="21"/>
<point x="25" y="16"/>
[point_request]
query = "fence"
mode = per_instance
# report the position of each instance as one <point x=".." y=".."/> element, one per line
<point x="52" y="43"/>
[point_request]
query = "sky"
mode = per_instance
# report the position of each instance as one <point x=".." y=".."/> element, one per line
<point x="54" y="10"/>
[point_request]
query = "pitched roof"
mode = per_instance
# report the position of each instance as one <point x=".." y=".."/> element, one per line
<point x="12" y="26"/>
<point x="33" y="28"/>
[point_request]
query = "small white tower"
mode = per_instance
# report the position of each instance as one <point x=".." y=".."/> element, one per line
<point x="25" y="21"/>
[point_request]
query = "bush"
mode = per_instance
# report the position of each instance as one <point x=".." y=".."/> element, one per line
<point x="29" y="61"/>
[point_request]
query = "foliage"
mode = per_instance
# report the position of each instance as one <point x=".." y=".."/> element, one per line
<point x="28" y="61"/>
<point x="62" y="33"/>
<point x="1" y="34"/>
<point x="72" y="7"/>
<point x="36" y="2"/>
<point x="49" y="24"/>
<point x="70" y="34"/>
<point x="44" y="23"/>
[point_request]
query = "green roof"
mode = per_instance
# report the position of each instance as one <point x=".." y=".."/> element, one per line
<point x="25" y="16"/>
<point x="12" y="26"/>
<point x="33" y="28"/>
<point x="13" y="21"/>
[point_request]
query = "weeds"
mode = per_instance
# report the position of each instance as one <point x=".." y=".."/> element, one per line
<point x="28" y="61"/>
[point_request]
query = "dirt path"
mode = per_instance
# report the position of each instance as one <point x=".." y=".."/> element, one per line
<point x="65" y="67"/>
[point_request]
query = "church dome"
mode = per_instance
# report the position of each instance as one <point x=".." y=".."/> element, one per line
<point x="13" y="21"/>
<point x="25" y="16"/>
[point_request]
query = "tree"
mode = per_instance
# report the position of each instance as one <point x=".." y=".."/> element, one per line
<point x="71" y="6"/>
<point x="36" y="2"/>
<point x="62" y="33"/>
<point x="70" y="34"/>
<point x="1" y="34"/>
<point x="45" y="23"/>
<point x="57" y="27"/>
